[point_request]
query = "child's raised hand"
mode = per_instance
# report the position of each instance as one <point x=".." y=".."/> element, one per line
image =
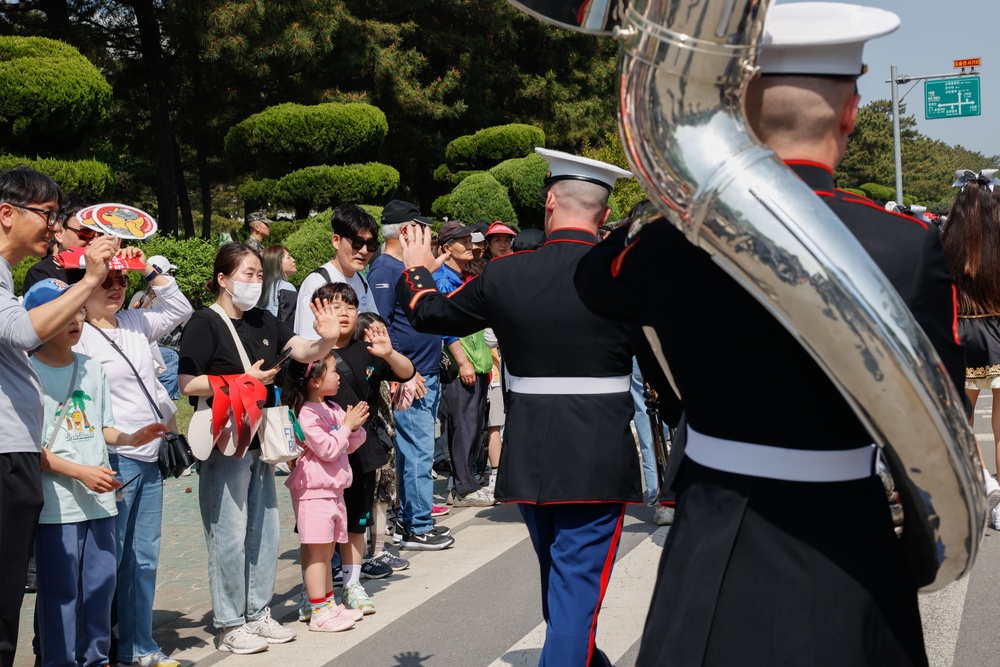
<point x="98" y="478"/>
<point x="326" y="319"/>
<point x="378" y="337"/>
<point x="356" y="416"/>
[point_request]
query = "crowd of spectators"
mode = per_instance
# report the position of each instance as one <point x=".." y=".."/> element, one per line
<point x="136" y="357"/>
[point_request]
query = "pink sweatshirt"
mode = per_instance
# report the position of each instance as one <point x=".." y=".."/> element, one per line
<point x="322" y="470"/>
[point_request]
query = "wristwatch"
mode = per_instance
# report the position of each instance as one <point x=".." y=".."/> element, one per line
<point x="152" y="274"/>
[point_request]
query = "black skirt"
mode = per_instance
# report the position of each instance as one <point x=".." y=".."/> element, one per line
<point x="981" y="340"/>
<point x="765" y="572"/>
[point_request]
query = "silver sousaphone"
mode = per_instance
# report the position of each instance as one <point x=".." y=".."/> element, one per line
<point x="683" y="70"/>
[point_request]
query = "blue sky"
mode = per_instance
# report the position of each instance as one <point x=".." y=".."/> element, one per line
<point x="935" y="33"/>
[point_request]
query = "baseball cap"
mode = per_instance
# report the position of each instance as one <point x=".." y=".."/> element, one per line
<point x="43" y="291"/>
<point x="398" y="211"/>
<point x="162" y="263"/>
<point x="500" y="228"/>
<point x="451" y="230"/>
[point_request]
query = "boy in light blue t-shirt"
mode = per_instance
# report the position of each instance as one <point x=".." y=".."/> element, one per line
<point x="75" y="548"/>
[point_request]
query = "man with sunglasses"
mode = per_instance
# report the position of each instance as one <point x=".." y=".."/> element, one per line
<point x="355" y="238"/>
<point x="29" y="218"/>
<point x="71" y="235"/>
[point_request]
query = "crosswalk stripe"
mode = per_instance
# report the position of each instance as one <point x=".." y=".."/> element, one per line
<point x="430" y="573"/>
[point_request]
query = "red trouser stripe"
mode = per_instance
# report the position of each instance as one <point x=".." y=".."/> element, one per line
<point x="609" y="563"/>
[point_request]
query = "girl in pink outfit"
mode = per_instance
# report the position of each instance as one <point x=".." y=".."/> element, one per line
<point x="318" y="482"/>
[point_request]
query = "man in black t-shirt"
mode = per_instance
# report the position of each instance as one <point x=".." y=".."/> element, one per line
<point x="71" y="235"/>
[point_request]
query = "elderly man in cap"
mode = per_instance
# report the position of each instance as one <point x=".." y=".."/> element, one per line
<point x="794" y="562"/>
<point x="464" y="397"/>
<point x="259" y="230"/>
<point x="569" y="460"/>
<point x="414" y="427"/>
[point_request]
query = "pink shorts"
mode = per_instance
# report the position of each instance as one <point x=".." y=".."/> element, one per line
<point x="320" y="520"/>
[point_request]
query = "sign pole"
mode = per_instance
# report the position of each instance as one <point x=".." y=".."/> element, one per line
<point x="897" y="148"/>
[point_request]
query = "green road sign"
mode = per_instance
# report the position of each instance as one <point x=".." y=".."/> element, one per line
<point x="952" y="98"/>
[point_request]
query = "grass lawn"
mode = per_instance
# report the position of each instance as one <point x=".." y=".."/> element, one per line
<point x="184" y="412"/>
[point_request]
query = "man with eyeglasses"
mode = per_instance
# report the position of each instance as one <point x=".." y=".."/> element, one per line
<point x="29" y="218"/>
<point x="71" y="235"/>
<point x="355" y="238"/>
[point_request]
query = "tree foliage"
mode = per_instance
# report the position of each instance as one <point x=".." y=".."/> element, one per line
<point x="291" y="136"/>
<point x="84" y="177"/>
<point x="493" y="144"/>
<point x="479" y="196"/>
<point x="51" y="97"/>
<point x="324" y="186"/>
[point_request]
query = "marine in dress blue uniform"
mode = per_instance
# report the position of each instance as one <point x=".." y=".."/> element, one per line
<point x="569" y="459"/>
<point x="761" y="567"/>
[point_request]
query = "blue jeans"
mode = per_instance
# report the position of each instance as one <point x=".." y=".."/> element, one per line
<point x="644" y="430"/>
<point x="415" y="457"/>
<point x="239" y="510"/>
<point x="76" y="581"/>
<point x="138" y="524"/>
<point x="168" y="378"/>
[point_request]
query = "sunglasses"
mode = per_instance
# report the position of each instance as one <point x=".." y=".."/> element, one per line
<point x="82" y="232"/>
<point x="357" y="244"/>
<point x="111" y="281"/>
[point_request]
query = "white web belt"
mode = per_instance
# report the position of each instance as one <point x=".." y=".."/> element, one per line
<point x="791" y="465"/>
<point x="568" y="385"/>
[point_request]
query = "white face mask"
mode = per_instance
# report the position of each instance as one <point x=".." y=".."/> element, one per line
<point x="245" y="295"/>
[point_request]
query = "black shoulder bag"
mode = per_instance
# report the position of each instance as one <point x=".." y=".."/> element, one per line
<point x="175" y="453"/>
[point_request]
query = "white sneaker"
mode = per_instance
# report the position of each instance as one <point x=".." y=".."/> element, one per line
<point x="995" y="518"/>
<point x="270" y="630"/>
<point x="478" y="498"/>
<point x="992" y="490"/>
<point x="239" y="640"/>
<point x="663" y="515"/>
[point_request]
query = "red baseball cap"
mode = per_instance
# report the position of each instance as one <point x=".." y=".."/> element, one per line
<point x="500" y="228"/>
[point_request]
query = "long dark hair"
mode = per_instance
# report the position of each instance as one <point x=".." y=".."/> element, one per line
<point x="296" y="390"/>
<point x="971" y="241"/>
<point x="274" y="257"/>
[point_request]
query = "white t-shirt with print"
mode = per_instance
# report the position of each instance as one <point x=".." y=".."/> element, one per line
<point x="79" y="439"/>
<point x="304" y="318"/>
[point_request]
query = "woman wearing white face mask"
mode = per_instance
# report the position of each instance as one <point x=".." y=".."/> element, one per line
<point x="239" y="508"/>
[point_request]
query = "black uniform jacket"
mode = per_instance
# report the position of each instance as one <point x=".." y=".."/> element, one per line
<point x="717" y="337"/>
<point x="557" y="448"/>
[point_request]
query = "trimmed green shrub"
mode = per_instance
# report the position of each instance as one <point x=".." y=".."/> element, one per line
<point x="524" y="178"/>
<point x="442" y="174"/>
<point x="257" y="193"/>
<point x="460" y="176"/>
<point x="439" y="208"/>
<point x="51" y="96"/>
<point x="478" y="196"/>
<point x="18" y="272"/>
<point x="324" y="186"/>
<point x="85" y="177"/>
<point x="909" y="200"/>
<point x="290" y="136"/>
<point x="855" y="191"/>
<point x="493" y="144"/>
<point x="310" y="245"/>
<point x="194" y="258"/>
<point x="879" y="192"/>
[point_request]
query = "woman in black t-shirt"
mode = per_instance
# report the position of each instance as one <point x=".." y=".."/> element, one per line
<point x="239" y="507"/>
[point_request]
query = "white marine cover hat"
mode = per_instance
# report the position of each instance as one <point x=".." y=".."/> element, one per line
<point x="566" y="166"/>
<point x="821" y="38"/>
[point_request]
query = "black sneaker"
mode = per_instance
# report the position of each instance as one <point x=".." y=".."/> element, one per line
<point x="443" y="531"/>
<point x="429" y="541"/>
<point x="374" y="569"/>
<point x="397" y="531"/>
<point x="338" y="575"/>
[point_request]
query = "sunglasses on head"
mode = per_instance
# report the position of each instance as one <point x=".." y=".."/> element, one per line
<point x="357" y="244"/>
<point x="111" y="281"/>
